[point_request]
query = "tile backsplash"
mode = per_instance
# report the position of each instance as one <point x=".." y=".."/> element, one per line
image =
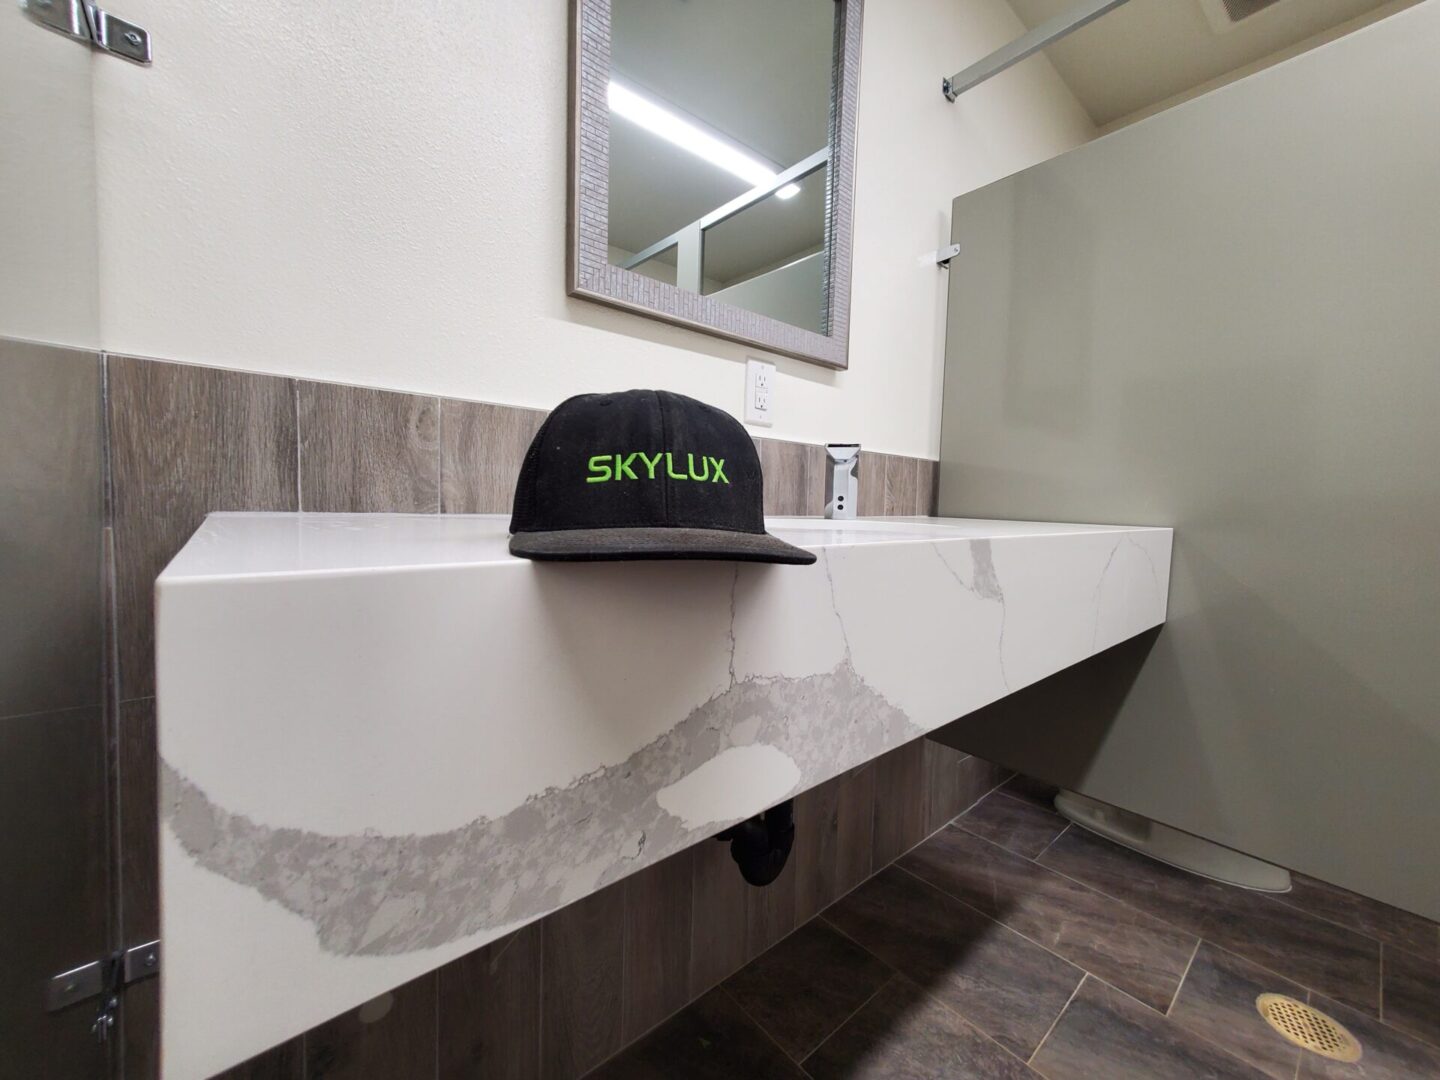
<point x="557" y="997"/>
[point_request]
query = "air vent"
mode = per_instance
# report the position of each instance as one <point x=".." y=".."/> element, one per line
<point x="1226" y="14"/>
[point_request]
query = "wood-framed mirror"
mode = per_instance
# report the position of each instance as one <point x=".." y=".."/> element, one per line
<point x="712" y="166"/>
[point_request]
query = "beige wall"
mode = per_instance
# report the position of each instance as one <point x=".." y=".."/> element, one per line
<point x="1223" y="319"/>
<point x="381" y="201"/>
<point x="48" y="238"/>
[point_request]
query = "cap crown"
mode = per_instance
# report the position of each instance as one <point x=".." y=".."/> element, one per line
<point x="639" y="459"/>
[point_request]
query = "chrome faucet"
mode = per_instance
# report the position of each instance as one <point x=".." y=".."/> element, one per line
<point x="842" y="479"/>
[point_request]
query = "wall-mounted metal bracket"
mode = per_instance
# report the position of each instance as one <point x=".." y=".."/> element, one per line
<point x="105" y="976"/>
<point x="1047" y="33"/>
<point x="93" y="25"/>
<point x="945" y="254"/>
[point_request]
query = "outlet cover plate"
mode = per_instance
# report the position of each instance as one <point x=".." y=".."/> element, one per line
<point x="759" y="392"/>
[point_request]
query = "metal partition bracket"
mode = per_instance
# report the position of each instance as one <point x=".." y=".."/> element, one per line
<point x="92" y="25"/>
<point x="105" y="976"/>
<point x="1051" y="30"/>
<point x="945" y="254"/>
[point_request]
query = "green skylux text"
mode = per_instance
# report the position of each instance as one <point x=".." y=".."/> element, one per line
<point x="625" y="467"/>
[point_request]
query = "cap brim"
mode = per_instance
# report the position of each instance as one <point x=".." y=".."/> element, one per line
<point x="595" y="545"/>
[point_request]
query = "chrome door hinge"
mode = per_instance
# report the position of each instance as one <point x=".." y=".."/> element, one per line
<point x="91" y="24"/>
<point x="107" y="976"/>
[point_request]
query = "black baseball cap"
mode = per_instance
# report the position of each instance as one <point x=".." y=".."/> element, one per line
<point x="643" y="474"/>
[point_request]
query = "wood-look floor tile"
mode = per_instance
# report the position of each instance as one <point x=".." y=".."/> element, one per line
<point x="185" y="440"/>
<point x="1325" y="957"/>
<point x="954" y="782"/>
<point x="904" y="1034"/>
<point x="1181" y="898"/>
<point x="902" y="497"/>
<point x="482" y="449"/>
<point x="1016" y="825"/>
<point x="582" y="958"/>
<point x="717" y="932"/>
<point x="804" y="988"/>
<point x="1412" y="994"/>
<point x="711" y="1039"/>
<point x="489" y="1003"/>
<point x="1402" y="929"/>
<point x="1387" y="1054"/>
<point x="283" y="1062"/>
<point x="817" y="835"/>
<point x="390" y="1036"/>
<point x="1031" y="790"/>
<point x="1128" y="948"/>
<point x="855" y="828"/>
<point x="658" y="912"/>
<point x="1310" y="951"/>
<point x="1105" y="1033"/>
<point x="1217" y="1002"/>
<point x="900" y="806"/>
<point x="1008" y="987"/>
<point x="368" y="451"/>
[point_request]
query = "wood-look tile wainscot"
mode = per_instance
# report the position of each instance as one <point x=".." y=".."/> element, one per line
<point x="367" y="451"/>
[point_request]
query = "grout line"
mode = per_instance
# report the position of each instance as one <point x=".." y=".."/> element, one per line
<point x="1055" y="1023"/>
<point x="971" y="1024"/>
<point x="756" y="1023"/>
<point x="1380" y="1002"/>
<point x="1219" y="1047"/>
<point x="1183" y="976"/>
<point x="1048" y="846"/>
<point x="1280" y="898"/>
<point x="299" y="481"/>
<point x="853" y="1013"/>
<point x="1028" y="802"/>
<point x="112" y="771"/>
<point x="997" y="922"/>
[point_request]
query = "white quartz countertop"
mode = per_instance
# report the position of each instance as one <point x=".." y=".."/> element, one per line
<point x="385" y="742"/>
<point x="250" y="544"/>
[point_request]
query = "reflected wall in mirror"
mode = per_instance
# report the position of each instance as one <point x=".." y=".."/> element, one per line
<point x="712" y="165"/>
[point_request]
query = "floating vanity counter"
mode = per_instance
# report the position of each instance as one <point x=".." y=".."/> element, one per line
<point x="384" y="741"/>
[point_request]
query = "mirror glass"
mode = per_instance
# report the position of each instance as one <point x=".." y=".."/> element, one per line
<point x="720" y="118"/>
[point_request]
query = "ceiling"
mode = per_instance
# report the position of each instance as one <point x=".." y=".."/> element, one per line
<point x="754" y="71"/>
<point x="1147" y="51"/>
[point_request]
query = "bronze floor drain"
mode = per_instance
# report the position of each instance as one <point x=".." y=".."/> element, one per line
<point x="1308" y="1027"/>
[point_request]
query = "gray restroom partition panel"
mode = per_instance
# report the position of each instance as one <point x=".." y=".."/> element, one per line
<point x="1226" y="319"/>
<point x="56" y="854"/>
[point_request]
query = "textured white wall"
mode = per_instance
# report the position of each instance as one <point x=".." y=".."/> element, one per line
<point x="48" y="239"/>
<point x="380" y="199"/>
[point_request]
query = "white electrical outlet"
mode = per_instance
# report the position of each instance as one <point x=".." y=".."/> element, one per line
<point x="759" y="392"/>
